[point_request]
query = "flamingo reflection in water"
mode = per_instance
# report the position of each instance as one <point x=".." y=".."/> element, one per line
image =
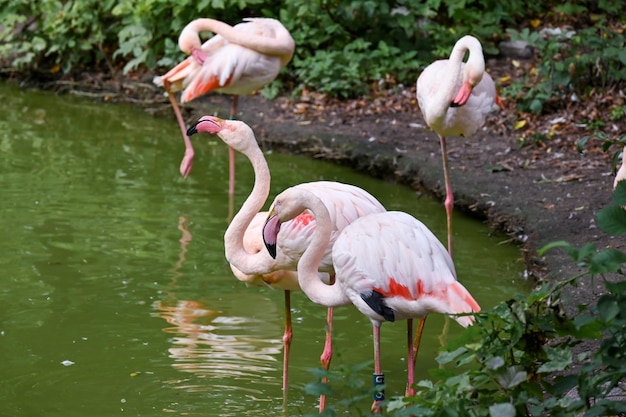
<point x="211" y="344"/>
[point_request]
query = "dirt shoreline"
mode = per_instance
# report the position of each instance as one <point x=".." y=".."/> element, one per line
<point x="536" y="194"/>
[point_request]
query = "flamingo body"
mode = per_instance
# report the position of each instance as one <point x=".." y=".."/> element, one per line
<point x="463" y="120"/>
<point x="389" y="265"/>
<point x="455" y="98"/>
<point x="232" y="61"/>
<point x="238" y="60"/>
<point x="407" y="274"/>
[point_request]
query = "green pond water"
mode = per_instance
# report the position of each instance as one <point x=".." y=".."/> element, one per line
<point x="115" y="298"/>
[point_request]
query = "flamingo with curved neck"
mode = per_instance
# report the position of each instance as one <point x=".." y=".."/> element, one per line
<point x="346" y="203"/>
<point x="389" y="265"/>
<point x="238" y="60"/>
<point x="455" y="97"/>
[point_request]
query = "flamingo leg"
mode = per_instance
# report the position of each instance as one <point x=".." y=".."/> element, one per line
<point x="231" y="151"/>
<point x="327" y="354"/>
<point x="449" y="202"/>
<point x="379" y="377"/>
<point x="410" y="359"/>
<point x="414" y="346"/>
<point x="287" y="344"/>
<point x="187" y="162"/>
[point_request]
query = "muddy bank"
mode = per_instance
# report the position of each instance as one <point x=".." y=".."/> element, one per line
<point x="534" y="196"/>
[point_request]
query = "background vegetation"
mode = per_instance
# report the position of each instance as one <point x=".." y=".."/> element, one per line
<point x="345" y="48"/>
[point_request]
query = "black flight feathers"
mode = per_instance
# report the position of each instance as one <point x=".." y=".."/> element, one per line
<point x="376" y="301"/>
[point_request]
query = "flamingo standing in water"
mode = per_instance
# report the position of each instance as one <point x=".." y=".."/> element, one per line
<point x="389" y="265"/>
<point x="238" y="60"/>
<point x="455" y="97"/>
<point x="243" y="238"/>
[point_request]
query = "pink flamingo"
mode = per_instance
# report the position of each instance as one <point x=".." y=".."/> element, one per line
<point x="238" y="60"/>
<point x="389" y="265"/>
<point x="455" y="97"/>
<point x="243" y="237"/>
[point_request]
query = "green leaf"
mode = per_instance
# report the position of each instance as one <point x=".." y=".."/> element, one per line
<point x="512" y="377"/>
<point x="495" y="363"/>
<point x="608" y="308"/>
<point x="619" y="194"/>
<point x="552" y="245"/>
<point x="612" y="219"/>
<point x="559" y="359"/>
<point x="447" y="357"/>
<point x="502" y="410"/>
<point x="609" y="260"/>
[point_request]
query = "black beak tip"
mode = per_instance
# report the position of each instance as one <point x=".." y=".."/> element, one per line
<point x="271" y="248"/>
<point x="193" y="129"/>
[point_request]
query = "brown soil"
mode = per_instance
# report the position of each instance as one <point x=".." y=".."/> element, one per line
<point x="537" y="193"/>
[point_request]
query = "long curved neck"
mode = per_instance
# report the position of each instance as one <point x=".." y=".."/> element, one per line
<point x="455" y="72"/>
<point x="280" y="46"/>
<point x="308" y="278"/>
<point x="233" y="238"/>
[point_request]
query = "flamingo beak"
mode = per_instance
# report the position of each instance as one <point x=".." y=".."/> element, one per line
<point x="463" y="95"/>
<point x="214" y="125"/>
<point x="270" y="232"/>
<point x="193" y="129"/>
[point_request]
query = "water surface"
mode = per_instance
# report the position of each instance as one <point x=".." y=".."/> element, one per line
<point x="116" y="298"/>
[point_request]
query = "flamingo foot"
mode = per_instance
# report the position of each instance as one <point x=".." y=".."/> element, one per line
<point x="187" y="163"/>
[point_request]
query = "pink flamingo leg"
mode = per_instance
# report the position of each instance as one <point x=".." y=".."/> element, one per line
<point x="231" y="151"/>
<point x="414" y="346"/>
<point x="187" y="162"/>
<point x="449" y="202"/>
<point x="327" y="354"/>
<point x="287" y="342"/>
<point x="379" y="378"/>
<point x="411" y="359"/>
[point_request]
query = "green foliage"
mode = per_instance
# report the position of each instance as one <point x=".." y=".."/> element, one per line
<point x="55" y="33"/>
<point x="345" y="48"/>
<point x="520" y="357"/>
<point x="573" y="61"/>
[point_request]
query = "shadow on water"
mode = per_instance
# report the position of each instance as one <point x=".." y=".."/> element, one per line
<point x="116" y="297"/>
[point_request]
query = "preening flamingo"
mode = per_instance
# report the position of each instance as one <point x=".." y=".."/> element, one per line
<point x="345" y="202"/>
<point x="455" y="97"/>
<point x="238" y="60"/>
<point x="389" y="265"/>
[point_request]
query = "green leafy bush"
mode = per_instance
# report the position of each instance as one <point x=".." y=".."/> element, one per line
<point x="344" y="47"/>
<point x="574" y="60"/>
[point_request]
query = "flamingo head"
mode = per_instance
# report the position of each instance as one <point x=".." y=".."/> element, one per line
<point x="234" y="133"/>
<point x="286" y="206"/>
<point x="206" y="124"/>
<point x="188" y="40"/>
<point x="472" y="78"/>
<point x="473" y="72"/>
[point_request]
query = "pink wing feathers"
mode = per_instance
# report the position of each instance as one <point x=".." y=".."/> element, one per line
<point x="398" y="257"/>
